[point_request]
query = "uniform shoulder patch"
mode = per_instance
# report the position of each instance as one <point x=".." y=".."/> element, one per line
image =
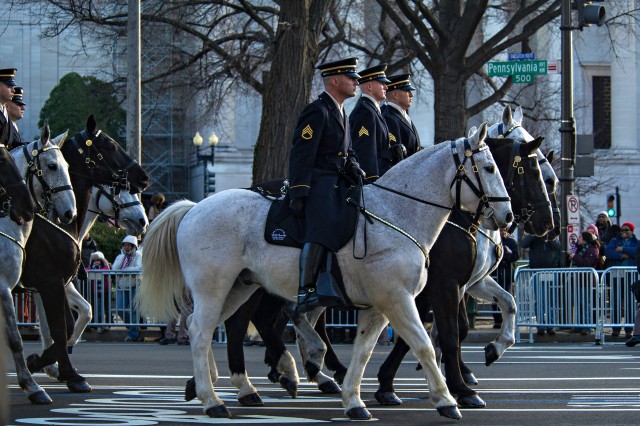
<point x="392" y="138"/>
<point x="363" y="131"/>
<point x="307" y="132"/>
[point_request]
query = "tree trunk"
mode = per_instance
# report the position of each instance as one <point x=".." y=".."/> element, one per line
<point x="450" y="110"/>
<point x="288" y="84"/>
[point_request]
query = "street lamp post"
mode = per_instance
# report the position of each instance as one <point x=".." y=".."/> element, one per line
<point x="209" y="182"/>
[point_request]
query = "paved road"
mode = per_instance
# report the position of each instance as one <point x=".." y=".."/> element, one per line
<point x="142" y="384"/>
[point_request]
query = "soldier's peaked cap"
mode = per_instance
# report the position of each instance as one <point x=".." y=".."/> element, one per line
<point x="7" y="76"/>
<point x="343" y="66"/>
<point x="374" y="73"/>
<point x="18" y="95"/>
<point x="401" y="82"/>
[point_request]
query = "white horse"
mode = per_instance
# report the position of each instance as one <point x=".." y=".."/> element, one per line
<point x="47" y="176"/>
<point x="217" y="250"/>
<point x="126" y="210"/>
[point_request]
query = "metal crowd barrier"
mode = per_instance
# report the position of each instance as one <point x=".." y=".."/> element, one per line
<point x="574" y="298"/>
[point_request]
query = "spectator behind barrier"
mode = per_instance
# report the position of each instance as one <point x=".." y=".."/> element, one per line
<point x="129" y="259"/>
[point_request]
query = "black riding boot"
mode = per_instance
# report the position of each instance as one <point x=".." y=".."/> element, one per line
<point x="310" y="261"/>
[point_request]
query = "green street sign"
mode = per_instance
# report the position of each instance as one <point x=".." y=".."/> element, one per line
<point x="523" y="78"/>
<point x="538" y="67"/>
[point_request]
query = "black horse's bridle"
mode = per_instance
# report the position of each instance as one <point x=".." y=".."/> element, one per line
<point x="120" y="177"/>
<point x="115" y="205"/>
<point x="34" y="170"/>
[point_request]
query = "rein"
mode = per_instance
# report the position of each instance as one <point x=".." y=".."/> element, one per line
<point x="115" y="205"/>
<point x="34" y="170"/>
<point x="121" y="179"/>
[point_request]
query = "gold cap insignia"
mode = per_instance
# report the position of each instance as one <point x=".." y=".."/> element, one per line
<point x="363" y="131"/>
<point x="392" y="138"/>
<point x="307" y="132"/>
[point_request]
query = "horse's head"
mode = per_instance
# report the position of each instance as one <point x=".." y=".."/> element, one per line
<point x="15" y="199"/>
<point x="511" y="127"/>
<point x="121" y="206"/>
<point x="97" y="156"/>
<point x="478" y="185"/>
<point x="48" y="177"/>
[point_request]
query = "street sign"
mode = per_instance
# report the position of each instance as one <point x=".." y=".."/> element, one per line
<point x="573" y="210"/>
<point x="525" y="56"/>
<point x="517" y="67"/>
<point x="523" y="78"/>
<point x="572" y="238"/>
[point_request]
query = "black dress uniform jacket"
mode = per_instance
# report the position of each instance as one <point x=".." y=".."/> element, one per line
<point x="320" y="152"/>
<point x="13" y="138"/>
<point x="370" y="138"/>
<point x="400" y="130"/>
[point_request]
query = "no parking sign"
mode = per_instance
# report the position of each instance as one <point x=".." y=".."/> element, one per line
<point x="573" y="222"/>
<point x="572" y="237"/>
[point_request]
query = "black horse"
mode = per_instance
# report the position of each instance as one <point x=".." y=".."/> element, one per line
<point x="522" y="178"/>
<point x="53" y="252"/>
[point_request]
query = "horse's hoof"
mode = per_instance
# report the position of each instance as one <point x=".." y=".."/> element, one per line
<point x="471" y="401"/>
<point x="289" y="386"/>
<point x="32" y="363"/>
<point x="339" y="376"/>
<point x="450" y="412"/>
<point x="359" y="413"/>
<point x="40" y="398"/>
<point x="418" y="367"/>
<point x="251" y="400"/>
<point x="79" y="387"/>
<point x="329" y="387"/>
<point x="218" y="412"/>
<point x="469" y="378"/>
<point x="273" y="376"/>
<point x="387" y="398"/>
<point x="190" y="389"/>
<point x="490" y="354"/>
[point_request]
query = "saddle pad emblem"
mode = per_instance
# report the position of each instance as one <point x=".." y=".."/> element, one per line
<point x="392" y="138"/>
<point x="307" y="132"/>
<point x="363" y="131"/>
<point x="278" y="234"/>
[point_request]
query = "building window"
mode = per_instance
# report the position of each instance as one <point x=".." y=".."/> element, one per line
<point x="602" y="112"/>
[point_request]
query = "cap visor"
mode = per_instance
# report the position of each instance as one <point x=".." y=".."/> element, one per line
<point x="383" y="80"/>
<point x="352" y="74"/>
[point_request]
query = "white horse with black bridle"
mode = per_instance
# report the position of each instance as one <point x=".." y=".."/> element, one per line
<point x="216" y="249"/>
<point x="47" y="176"/>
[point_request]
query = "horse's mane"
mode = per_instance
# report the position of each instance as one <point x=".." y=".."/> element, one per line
<point x="410" y="162"/>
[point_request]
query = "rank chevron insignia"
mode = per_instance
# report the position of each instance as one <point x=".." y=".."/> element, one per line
<point x="363" y="131"/>
<point x="392" y="138"/>
<point x="307" y="132"/>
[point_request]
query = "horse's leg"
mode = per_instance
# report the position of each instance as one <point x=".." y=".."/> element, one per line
<point x="236" y="328"/>
<point x="45" y="336"/>
<point x="488" y="289"/>
<point x="315" y="348"/>
<point x="463" y="330"/>
<point x="404" y="316"/>
<point x="266" y="316"/>
<point x="385" y="394"/>
<point x="447" y="294"/>
<point x="330" y="358"/>
<point x="34" y="392"/>
<point x="53" y="299"/>
<point x="82" y="308"/>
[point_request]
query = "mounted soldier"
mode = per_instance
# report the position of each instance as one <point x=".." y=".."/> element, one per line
<point x="7" y="84"/>
<point x="15" y="111"/>
<point x="395" y="112"/>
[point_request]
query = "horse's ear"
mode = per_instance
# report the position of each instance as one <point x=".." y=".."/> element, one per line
<point x="533" y="145"/>
<point x="45" y="135"/>
<point x="550" y="156"/>
<point x="507" y="116"/>
<point x="518" y="116"/>
<point x="472" y="131"/>
<point x="481" y="134"/>
<point x="91" y="124"/>
<point x="60" y="139"/>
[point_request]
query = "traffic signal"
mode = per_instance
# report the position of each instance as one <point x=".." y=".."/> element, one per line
<point x="589" y="14"/>
<point x="611" y="205"/>
<point x="211" y="183"/>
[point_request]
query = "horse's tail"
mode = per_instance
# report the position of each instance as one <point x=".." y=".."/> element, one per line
<point x="162" y="279"/>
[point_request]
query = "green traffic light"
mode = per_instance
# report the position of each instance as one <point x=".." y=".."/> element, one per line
<point x="611" y="212"/>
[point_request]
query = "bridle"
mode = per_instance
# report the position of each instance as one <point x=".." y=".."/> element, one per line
<point x="5" y="206"/>
<point x="115" y="205"/>
<point x="84" y="145"/>
<point x="34" y="171"/>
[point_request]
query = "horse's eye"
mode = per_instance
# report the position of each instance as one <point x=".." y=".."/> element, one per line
<point x="53" y="166"/>
<point x="490" y="169"/>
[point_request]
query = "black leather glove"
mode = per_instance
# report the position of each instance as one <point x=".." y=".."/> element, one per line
<point x="297" y="207"/>
<point x="398" y="152"/>
<point x="355" y="171"/>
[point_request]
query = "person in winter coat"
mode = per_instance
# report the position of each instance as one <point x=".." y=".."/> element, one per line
<point x="129" y="259"/>
<point x="621" y="251"/>
<point x="586" y="256"/>
<point x="100" y="288"/>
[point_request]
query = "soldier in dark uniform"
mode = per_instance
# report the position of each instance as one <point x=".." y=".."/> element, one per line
<point x="7" y="82"/>
<point x="15" y="110"/>
<point x="321" y="164"/>
<point x="401" y="129"/>
<point x="368" y="129"/>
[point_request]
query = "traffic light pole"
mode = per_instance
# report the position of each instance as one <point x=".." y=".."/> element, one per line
<point x="567" y="125"/>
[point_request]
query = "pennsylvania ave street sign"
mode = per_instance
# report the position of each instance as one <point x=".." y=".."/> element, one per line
<point x="538" y="67"/>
